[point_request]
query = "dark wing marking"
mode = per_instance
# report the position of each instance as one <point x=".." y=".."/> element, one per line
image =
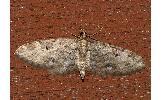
<point x="57" y="55"/>
<point x="107" y="59"/>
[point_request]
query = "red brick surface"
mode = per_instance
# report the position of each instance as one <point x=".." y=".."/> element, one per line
<point x="124" y="23"/>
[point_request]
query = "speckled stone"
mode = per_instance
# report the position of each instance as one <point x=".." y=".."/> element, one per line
<point x="119" y="22"/>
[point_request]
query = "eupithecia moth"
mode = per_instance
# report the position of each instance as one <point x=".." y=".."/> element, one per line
<point x="64" y="55"/>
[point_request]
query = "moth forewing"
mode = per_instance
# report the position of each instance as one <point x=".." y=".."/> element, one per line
<point x="64" y="55"/>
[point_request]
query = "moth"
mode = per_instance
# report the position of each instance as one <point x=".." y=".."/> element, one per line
<point x="64" y="55"/>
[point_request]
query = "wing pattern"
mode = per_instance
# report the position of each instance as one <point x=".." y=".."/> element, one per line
<point x="108" y="59"/>
<point x="59" y="55"/>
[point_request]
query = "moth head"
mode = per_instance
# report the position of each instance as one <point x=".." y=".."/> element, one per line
<point x="82" y="74"/>
<point x="83" y="34"/>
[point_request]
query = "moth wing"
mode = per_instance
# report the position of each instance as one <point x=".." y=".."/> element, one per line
<point x="107" y="59"/>
<point x="57" y="55"/>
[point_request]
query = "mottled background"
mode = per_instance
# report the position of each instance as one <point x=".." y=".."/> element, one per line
<point x="124" y="23"/>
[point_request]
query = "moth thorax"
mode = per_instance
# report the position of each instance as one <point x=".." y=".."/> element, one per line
<point x="83" y="42"/>
<point x="82" y="64"/>
<point x="83" y="46"/>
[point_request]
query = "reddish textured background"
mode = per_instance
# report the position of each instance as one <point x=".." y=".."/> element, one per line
<point x="124" y="23"/>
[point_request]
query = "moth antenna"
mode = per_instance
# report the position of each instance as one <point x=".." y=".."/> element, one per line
<point x="92" y="38"/>
<point x="92" y="35"/>
<point x="74" y="35"/>
<point x="77" y="37"/>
